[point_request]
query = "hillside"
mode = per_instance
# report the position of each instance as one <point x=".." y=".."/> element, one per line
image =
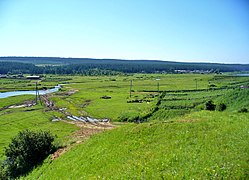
<point x="177" y="139"/>
<point x="235" y="100"/>
<point x="28" y="118"/>
<point x="200" y="145"/>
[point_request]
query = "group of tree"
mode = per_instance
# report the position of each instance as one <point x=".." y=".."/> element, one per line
<point x="85" y="66"/>
<point x="17" y="67"/>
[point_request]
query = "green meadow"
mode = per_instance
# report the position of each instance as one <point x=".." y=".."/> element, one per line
<point x="14" y="121"/>
<point x="15" y="100"/>
<point x="203" y="145"/>
<point x="89" y="90"/>
<point x="178" y="138"/>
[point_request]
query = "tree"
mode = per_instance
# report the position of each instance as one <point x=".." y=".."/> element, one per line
<point x="27" y="150"/>
<point x="209" y="105"/>
<point x="243" y="110"/>
<point x="221" y="107"/>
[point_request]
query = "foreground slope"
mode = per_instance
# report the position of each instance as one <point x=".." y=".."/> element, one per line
<point x="199" y="145"/>
<point x="15" y="120"/>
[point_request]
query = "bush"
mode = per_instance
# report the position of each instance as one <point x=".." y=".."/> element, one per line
<point x="243" y="110"/>
<point x="3" y="173"/>
<point x="221" y="107"/>
<point x="27" y="150"/>
<point x="122" y="118"/>
<point x="212" y="85"/>
<point x="209" y="105"/>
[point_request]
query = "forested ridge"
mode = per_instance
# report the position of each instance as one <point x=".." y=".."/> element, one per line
<point x="87" y="66"/>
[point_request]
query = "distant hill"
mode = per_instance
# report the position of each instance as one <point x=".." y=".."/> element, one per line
<point x="81" y="65"/>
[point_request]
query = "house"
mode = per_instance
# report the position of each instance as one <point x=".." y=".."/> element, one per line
<point x="33" y="77"/>
<point x="244" y="87"/>
<point x="3" y="76"/>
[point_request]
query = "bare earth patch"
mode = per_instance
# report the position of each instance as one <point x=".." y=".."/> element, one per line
<point x="186" y="120"/>
<point x="86" y="131"/>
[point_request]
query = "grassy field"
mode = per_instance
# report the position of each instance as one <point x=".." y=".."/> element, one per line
<point x="25" y="84"/>
<point x="15" y="100"/>
<point x="88" y="92"/>
<point x="202" y="145"/>
<point x="14" y="120"/>
<point x="180" y="139"/>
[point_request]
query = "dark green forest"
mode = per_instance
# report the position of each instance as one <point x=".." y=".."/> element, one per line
<point x="86" y="66"/>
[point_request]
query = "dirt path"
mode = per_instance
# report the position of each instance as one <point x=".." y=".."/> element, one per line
<point x="86" y="131"/>
<point x="87" y="127"/>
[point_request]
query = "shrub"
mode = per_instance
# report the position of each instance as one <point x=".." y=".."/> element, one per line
<point x="221" y="107"/>
<point x="212" y="85"/>
<point x="27" y="150"/>
<point x="122" y="118"/>
<point x="3" y="172"/>
<point x="243" y="110"/>
<point x="209" y="105"/>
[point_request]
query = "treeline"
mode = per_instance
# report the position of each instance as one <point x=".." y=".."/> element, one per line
<point x="86" y="66"/>
<point x="17" y="67"/>
<point x="27" y="68"/>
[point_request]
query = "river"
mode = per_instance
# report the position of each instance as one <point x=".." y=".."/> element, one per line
<point x="244" y="75"/>
<point x="17" y="93"/>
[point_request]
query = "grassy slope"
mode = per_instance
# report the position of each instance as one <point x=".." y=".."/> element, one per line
<point x="13" y="121"/>
<point x="205" y="145"/>
<point x="200" y="145"/>
<point x="235" y="100"/>
<point x="150" y="149"/>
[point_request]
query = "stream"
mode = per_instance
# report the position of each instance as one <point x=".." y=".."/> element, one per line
<point x="17" y="93"/>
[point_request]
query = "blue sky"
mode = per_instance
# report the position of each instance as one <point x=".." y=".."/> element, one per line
<point x="176" y="30"/>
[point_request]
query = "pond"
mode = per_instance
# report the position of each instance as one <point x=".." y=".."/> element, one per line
<point x="17" y="93"/>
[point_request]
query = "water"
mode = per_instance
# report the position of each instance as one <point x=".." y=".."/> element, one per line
<point x="17" y="93"/>
<point x="242" y="75"/>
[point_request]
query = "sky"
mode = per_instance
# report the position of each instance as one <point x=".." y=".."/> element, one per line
<point x="171" y="30"/>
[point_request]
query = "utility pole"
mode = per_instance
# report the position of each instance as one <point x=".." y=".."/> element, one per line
<point x="39" y="96"/>
<point x="158" y="87"/>
<point x="130" y="88"/>
<point x="36" y="93"/>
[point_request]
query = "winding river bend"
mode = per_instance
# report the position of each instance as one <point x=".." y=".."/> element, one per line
<point x="17" y="93"/>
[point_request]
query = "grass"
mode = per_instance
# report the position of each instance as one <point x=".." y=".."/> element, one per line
<point x="13" y="121"/>
<point x="182" y="143"/>
<point x="235" y="100"/>
<point x="24" y="84"/>
<point x="87" y="100"/>
<point x="15" y="100"/>
<point x="202" y="145"/>
<point x="167" y="114"/>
